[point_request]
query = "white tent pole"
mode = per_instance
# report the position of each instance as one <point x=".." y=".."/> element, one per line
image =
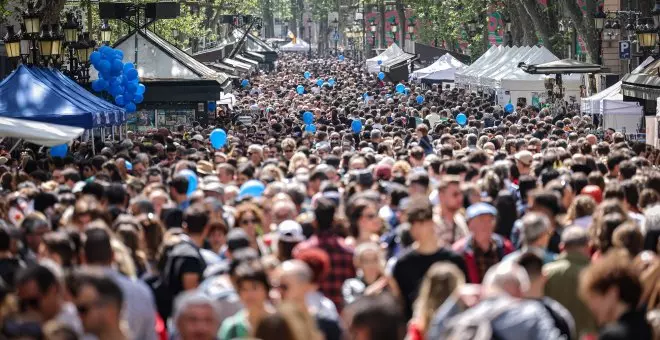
<point x="120" y="128"/>
<point x="15" y="145"/>
<point x="93" y="147"/>
<point x="113" y="133"/>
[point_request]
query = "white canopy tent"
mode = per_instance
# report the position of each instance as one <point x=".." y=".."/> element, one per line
<point x="592" y="104"/>
<point x="390" y="53"/>
<point x="442" y="69"/>
<point x="508" y="64"/>
<point x="37" y="132"/>
<point x="621" y="116"/>
<point x="299" y="46"/>
<point x="227" y="99"/>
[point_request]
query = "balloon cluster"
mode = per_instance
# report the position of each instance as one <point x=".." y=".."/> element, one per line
<point x="117" y="78"/>
<point x="308" y="119"/>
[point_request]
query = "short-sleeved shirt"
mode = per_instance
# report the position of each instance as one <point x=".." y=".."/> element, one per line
<point x="341" y="265"/>
<point x="235" y="327"/>
<point x="410" y="268"/>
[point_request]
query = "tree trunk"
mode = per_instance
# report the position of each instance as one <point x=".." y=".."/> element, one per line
<point x="50" y="10"/>
<point x="585" y="28"/>
<point x="267" y="16"/>
<point x="323" y="33"/>
<point x="528" y="35"/>
<point x="401" y="13"/>
<point x="540" y="22"/>
<point x="293" y="22"/>
<point x="381" y="25"/>
<point x="301" y="23"/>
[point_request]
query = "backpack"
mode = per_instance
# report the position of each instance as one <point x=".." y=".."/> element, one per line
<point x="470" y="325"/>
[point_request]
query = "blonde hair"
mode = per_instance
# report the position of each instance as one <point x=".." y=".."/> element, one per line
<point x="440" y="282"/>
<point x="299" y="160"/>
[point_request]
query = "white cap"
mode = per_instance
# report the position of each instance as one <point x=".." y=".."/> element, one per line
<point x="290" y="231"/>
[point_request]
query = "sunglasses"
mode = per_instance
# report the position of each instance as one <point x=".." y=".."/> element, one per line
<point x="251" y="221"/>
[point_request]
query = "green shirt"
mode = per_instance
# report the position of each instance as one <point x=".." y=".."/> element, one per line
<point x="562" y="281"/>
<point x="235" y="327"/>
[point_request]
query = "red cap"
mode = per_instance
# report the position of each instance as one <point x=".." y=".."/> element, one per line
<point x="593" y="191"/>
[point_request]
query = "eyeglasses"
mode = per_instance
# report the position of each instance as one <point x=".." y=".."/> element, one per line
<point x="251" y="221"/>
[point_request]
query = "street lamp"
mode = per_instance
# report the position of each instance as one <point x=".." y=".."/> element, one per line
<point x="655" y="13"/>
<point x="12" y="43"/>
<point x="31" y="19"/>
<point x="411" y="29"/>
<point x="599" y="24"/>
<point x="106" y="32"/>
<point x="373" y="28"/>
<point x="646" y="36"/>
<point x="394" y="27"/>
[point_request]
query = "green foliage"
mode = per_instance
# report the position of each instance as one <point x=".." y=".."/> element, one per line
<point x="188" y="25"/>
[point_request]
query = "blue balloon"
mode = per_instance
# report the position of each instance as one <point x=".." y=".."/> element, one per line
<point x="365" y="95"/>
<point x="116" y="90"/>
<point x="128" y="66"/>
<point x="308" y="117"/>
<point x="381" y="75"/>
<point x="245" y="82"/>
<point x="192" y="180"/>
<point x="130" y="107"/>
<point x="400" y="88"/>
<point x="461" y="119"/>
<point x="319" y="82"/>
<point x="420" y="99"/>
<point x="310" y="128"/>
<point x="140" y="98"/>
<point x="307" y="74"/>
<point x="218" y="138"/>
<point x="252" y="188"/>
<point x="128" y="96"/>
<point x="341" y="57"/>
<point x="380" y="62"/>
<point x="104" y="67"/>
<point x="119" y="100"/>
<point x="141" y="89"/>
<point x="356" y="125"/>
<point x="508" y="108"/>
<point x="95" y="57"/>
<point x="331" y="81"/>
<point x="117" y="66"/>
<point x="107" y="52"/>
<point x="96" y="85"/>
<point x="300" y="89"/>
<point x="119" y="55"/>
<point x="59" y="150"/>
<point x="131" y="87"/>
<point x="131" y="74"/>
<point x="128" y="165"/>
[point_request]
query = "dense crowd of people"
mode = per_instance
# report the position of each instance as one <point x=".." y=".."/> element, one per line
<point x="527" y="224"/>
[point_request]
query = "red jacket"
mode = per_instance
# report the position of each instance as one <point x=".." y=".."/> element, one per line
<point x="464" y="248"/>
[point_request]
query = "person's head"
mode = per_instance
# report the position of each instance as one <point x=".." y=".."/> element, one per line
<point x="507" y="278"/>
<point x="532" y="262"/>
<point x="324" y="214"/>
<point x="38" y="291"/>
<point x="376" y="317"/>
<point x="363" y="217"/>
<point x="196" y="316"/>
<point x="249" y="217"/>
<point x="195" y="220"/>
<point x="481" y="221"/>
<point x="536" y="230"/>
<point x="368" y="259"/>
<point x="419" y="212"/>
<point x="179" y="188"/>
<point x="440" y="281"/>
<point x="98" y="247"/>
<point x="295" y="281"/>
<point x="449" y="192"/>
<point x="628" y="236"/>
<point x="610" y="287"/>
<point x="252" y="284"/>
<point x="575" y="239"/>
<point x="98" y="299"/>
<point x="58" y="247"/>
<point x="34" y="226"/>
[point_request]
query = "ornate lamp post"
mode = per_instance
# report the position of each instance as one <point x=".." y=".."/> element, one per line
<point x="599" y="24"/>
<point x="335" y="37"/>
<point x="309" y="37"/>
<point x="507" y="28"/>
<point x="394" y="28"/>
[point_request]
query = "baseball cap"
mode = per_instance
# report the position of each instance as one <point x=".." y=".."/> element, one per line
<point x="198" y="138"/>
<point x="237" y="238"/>
<point x="524" y="157"/>
<point x="594" y="191"/>
<point x="479" y="209"/>
<point x="290" y="231"/>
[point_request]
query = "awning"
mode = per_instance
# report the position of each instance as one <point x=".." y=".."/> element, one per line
<point x="563" y="66"/>
<point x="644" y="85"/>
<point x="405" y="58"/>
<point x="248" y="61"/>
<point x="255" y="56"/>
<point x="243" y="67"/>
<point x="178" y="90"/>
<point x="38" y="132"/>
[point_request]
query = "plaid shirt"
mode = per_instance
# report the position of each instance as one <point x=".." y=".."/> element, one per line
<point x="341" y="265"/>
<point x="485" y="259"/>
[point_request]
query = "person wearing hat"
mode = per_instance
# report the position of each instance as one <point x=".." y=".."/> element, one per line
<point x="482" y="248"/>
<point x="524" y="160"/>
<point x="197" y="141"/>
<point x="289" y="234"/>
<point x="205" y="168"/>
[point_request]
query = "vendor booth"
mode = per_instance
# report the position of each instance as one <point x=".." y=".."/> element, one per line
<point x="179" y="86"/>
<point x="393" y="51"/>
<point x="298" y="45"/>
<point x="398" y="68"/>
<point x="442" y="70"/>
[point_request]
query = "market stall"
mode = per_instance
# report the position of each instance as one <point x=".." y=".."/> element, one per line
<point x="373" y="64"/>
<point x="298" y="46"/>
<point x="442" y="70"/>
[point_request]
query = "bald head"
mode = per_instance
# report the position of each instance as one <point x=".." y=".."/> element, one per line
<point x="591" y="139"/>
